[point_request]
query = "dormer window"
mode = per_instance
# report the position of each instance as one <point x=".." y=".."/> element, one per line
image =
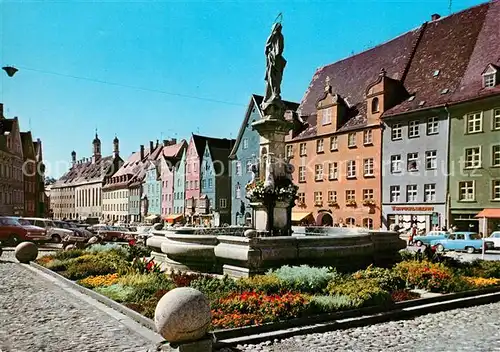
<point x="327" y="116"/>
<point x="375" y="105"/>
<point x="489" y="80"/>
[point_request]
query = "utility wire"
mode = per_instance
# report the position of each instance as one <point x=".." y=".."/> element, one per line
<point x="132" y="87"/>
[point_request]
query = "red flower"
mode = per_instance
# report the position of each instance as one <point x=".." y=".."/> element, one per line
<point x="132" y="242"/>
<point x="150" y="265"/>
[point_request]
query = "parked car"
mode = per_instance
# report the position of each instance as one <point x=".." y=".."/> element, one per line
<point x="56" y="234"/>
<point x="12" y="231"/>
<point x="430" y="236"/>
<point x="462" y="241"/>
<point x="111" y="233"/>
<point x="142" y="233"/>
<point x="78" y="235"/>
<point x="495" y="238"/>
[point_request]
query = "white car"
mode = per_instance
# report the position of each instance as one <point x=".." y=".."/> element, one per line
<point x="495" y="238"/>
<point x="56" y="234"/>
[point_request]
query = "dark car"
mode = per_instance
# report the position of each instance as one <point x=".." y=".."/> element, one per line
<point x="12" y="231"/>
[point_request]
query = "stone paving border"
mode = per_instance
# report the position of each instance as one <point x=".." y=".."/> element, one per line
<point x="135" y="321"/>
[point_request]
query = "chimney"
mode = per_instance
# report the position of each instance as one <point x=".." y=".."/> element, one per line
<point x="151" y="147"/>
<point x="165" y="142"/>
<point x="435" y="17"/>
<point x="157" y="143"/>
<point x="1" y="110"/>
<point x="142" y="152"/>
<point x="73" y="157"/>
<point x="173" y="141"/>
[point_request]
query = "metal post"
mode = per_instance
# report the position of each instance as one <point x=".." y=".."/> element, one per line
<point x="484" y="233"/>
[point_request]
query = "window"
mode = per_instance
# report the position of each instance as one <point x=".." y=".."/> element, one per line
<point x="375" y="105"/>
<point x="495" y="155"/>
<point x="350" y="195"/>
<point x="396" y="132"/>
<point x="368" y="167"/>
<point x="289" y="151"/>
<point x="303" y="149"/>
<point x="496" y="119"/>
<point x="489" y="80"/>
<point x="351" y="140"/>
<point x="318" y="197"/>
<point x="320" y="146"/>
<point x="413" y="129"/>
<point x="333" y="171"/>
<point x="396" y="164"/>
<point x="209" y="183"/>
<point x="475" y="122"/>
<point x="327" y="116"/>
<point x="472" y="157"/>
<point x="496" y="190"/>
<point x="367" y="194"/>
<point x="332" y="196"/>
<point x="466" y="191"/>
<point x="351" y="169"/>
<point x="412" y="163"/>
<point x="245" y="143"/>
<point x="368" y="223"/>
<point x="318" y="172"/>
<point x="334" y="143"/>
<point x="302" y="174"/>
<point x="430" y="192"/>
<point x="431" y="160"/>
<point x="222" y="203"/>
<point x="238" y="168"/>
<point x="411" y="193"/>
<point x="301" y="197"/>
<point x="367" y="137"/>
<point x="238" y="191"/>
<point x="350" y="221"/>
<point x="432" y="125"/>
<point x="249" y="166"/>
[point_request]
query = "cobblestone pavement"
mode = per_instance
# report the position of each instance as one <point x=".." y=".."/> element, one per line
<point x="36" y="316"/>
<point x="470" y="329"/>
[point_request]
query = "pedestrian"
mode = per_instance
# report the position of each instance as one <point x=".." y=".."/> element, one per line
<point x="413" y="233"/>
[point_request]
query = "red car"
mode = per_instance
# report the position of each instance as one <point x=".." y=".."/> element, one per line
<point x="111" y="233"/>
<point x="13" y="232"/>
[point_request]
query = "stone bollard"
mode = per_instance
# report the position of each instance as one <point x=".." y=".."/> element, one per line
<point x="26" y="252"/>
<point x="182" y="317"/>
<point x="0" y="250"/>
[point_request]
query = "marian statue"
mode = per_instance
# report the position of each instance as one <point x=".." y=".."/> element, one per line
<point x="275" y="65"/>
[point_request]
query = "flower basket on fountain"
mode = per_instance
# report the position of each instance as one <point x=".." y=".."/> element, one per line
<point x="284" y="191"/>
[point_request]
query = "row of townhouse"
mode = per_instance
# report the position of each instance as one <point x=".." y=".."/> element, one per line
<point x="406" y="133"/>
<point x="22" y="170"/>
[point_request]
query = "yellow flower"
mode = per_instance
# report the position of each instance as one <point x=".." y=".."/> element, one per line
<point x="482" y="282"/>
<point x="99" y="280"/>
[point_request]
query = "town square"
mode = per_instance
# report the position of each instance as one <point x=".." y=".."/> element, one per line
<point x="180" y="176"/>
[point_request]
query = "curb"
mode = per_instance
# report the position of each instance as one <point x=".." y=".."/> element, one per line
<point x="357" y="321"/>
<point x="139" y="318"/>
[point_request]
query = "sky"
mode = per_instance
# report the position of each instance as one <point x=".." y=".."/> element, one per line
<point x="148" y="70"/>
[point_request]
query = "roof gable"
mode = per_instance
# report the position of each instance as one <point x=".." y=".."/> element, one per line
<point x="28" y="146"/>
<point x="244" y="125"/>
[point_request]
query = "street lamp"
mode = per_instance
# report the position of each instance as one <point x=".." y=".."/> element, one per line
<point x="10" y="70"/>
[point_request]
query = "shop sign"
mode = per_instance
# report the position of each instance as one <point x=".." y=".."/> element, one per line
<point x="412" y="208"/>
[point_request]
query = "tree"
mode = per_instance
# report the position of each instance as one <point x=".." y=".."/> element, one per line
<point x="49" y="180"/>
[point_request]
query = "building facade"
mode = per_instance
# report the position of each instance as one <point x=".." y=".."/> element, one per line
<point x="29" y="175"/>
<point x="42" y="208"/>
<point x="415" y="170"/>
<point x="194" y="154"/>
<point x="169" y="164"/>
<point x="180" y="184"/>
<point x="152" y="188"/>
<point x="245" y="152"/>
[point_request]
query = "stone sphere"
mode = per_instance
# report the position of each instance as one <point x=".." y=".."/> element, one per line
<point x="182" y="314"/>
<point x="26" y="252"/>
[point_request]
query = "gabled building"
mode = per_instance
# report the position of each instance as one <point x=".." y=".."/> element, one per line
<point x="194" y="156"/>
<point x="42" y="202"/>
<point x="29" y="175"/>
<point x="179" y="202"/>
<point x="11" y="166"/>
<point x="152" y="188"/>
<point x="215" y="203"/>
<point x="246" y="152"/>
<point x="78" y="194"/>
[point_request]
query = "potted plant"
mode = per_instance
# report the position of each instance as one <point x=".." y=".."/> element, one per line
<point x="318" y="203"/>
<point x="369" y="202"/>
<point x="333" y="203"/>
<point x="351" y="203"/>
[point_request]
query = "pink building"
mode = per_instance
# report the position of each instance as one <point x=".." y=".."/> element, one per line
<point x="193" y="159"/>
<point x="172" y="153"/>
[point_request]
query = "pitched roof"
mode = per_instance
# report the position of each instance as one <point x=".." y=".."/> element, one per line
<point x="86" y="172"/>
<point x="255" y="100"/>
<point x="441" y="59"/>
<point x="221" y="154"/>
<point x="201" y="141"/>
<point x="28" y="146"/>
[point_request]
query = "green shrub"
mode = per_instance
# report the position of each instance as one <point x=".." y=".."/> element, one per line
<point x="214" y="287"/>
<point x="56" y="265"/>
<point x="108" y="247"/>
<point x="72" y="253"/>
<point x="367" y="291"/>
<point x="406" y="255"/>
<point x="144" y="290"/>
<point x="269" y="284"/>
<point x="116" y="292"/>
<point x="304" y="278"/>
<point x="77" y="271"/>
<point x="328" y="304"/>
<point x="426" y="275"/>
<point x="489" y="269"/>
<point x="387" y="279"/>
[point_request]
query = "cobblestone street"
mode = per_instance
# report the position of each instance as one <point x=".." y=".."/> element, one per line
<point x="469" y="329"/>
<point x="36" y="316"/>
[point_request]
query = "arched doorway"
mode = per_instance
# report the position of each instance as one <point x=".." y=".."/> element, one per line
<point x="324" y="219"/>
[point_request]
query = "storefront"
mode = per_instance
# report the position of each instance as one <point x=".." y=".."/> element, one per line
<point x="489" y="220"/>
<point x="465" y="220"/>
<point x="425" y="217"/>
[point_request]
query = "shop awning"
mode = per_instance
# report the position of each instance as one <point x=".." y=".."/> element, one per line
<point x="492" y="213"/>
<point x="172" y="217"/>
<point x="151" y="217"/>
<point x="300" y="216"/>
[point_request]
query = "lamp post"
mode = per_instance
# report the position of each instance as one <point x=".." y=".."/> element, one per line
<point x="10" y="70"/>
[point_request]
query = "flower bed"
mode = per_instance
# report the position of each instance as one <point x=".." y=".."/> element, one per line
<point x="125" y="275"/>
